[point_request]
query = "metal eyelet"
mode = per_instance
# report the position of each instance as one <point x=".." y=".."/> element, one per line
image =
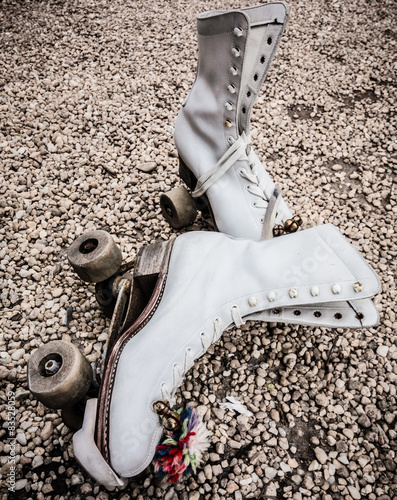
<point x="236" y="52"/>
<point x="231" y="88"/>
<point x="231" y="140"/>
<point x="228" y="123"/>
<point x="238" y="31"/>
<point x="233" y="71"/>
<point x="229" y="105"/>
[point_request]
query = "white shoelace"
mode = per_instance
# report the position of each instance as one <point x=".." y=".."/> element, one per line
<point x="241" y="150"/>
<point x="206" y="340"/>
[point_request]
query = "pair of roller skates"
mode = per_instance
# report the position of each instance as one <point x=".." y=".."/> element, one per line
<point x="184" y="293"/>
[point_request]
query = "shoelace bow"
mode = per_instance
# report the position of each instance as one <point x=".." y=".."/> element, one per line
<point x="241" y="150"/>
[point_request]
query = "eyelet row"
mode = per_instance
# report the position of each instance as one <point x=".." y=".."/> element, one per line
<point x="318" y="314"/>
<point x="233" y="70"/>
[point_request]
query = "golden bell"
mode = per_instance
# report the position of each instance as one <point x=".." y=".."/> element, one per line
<point x="173" y="422"/>
<point x="161" y="407"/>
<point x="278" y="230"/>
<point x="297" y="219"/>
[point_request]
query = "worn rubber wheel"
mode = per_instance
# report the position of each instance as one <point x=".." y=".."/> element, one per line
<point x="94" y="256"/>
<point x="58" y="374"/>
<point x="178" y="207"/>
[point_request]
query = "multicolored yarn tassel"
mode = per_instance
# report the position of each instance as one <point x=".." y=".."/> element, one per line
<point x="179" y="454"/>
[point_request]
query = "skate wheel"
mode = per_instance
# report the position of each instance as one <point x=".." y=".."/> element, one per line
<point x="178" y="207"/>
<point x="58" y="374"/>
<point x="94" y="256"/>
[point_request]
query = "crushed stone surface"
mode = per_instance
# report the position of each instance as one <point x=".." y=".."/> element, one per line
<point x="89" y="93"/>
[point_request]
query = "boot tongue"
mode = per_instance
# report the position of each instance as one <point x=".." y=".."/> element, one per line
<point x="266" y="26"/>
<point x="257" y="59"/>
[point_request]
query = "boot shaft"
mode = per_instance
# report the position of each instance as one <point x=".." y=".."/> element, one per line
<point x="236" y="49"/>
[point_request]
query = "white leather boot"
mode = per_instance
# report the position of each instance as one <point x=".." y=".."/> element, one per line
<point x="208" y="282"/>
<point x="212" y="133"/>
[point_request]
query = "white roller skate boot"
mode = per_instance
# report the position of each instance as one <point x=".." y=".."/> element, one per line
<point x="206" y="283"/>
<point x="212" y="133"/>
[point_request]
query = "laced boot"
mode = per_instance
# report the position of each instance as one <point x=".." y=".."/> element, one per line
<point x="205" y="283"/>
<point x="212" y="133"/>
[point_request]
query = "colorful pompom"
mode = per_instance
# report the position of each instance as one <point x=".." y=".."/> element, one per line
<point x="179" y="454"/>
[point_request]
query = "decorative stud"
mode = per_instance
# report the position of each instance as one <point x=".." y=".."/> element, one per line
<point x="315" y="291"/>
<point x="336" y="288"/>
<point x="236" y="52"/>
<point x="238" y="31"/>
<point x="358" y="287"/>
<point x="228" y="123"/>
<point x="293" y="293"/>
<point x="252" y="301"/>
<point x="233" y="71"/>
<point x="271" y="296"/>
<point x="278" y="230"/>
<point x="231" y="88"/>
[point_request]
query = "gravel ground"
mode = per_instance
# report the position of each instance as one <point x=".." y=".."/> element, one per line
<point x="89" y="92"/>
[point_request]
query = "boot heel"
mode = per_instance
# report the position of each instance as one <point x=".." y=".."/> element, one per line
<point x="187" y="175"/>
<point x="202" y="203"/>
<point x="150" y="263"/>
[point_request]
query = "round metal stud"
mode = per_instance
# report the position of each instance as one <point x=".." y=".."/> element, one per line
<point x="229" y="105"/>
<point x="336" y="289"/>
<point x="358" y="287"/>
<point x="293" y="293"/>
<point x="315" y="291"/>
<point x="252" y="301"/>
<point x="271" y="296"/>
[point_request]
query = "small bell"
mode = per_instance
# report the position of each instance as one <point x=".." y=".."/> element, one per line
<point x="292" y="225"/>
<point x="278" y="230"/>
<point x="161" y="407"/>
<point x="287" y="225"/>
<point x="172" y="422"/>
<point x="297" y="219"/>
